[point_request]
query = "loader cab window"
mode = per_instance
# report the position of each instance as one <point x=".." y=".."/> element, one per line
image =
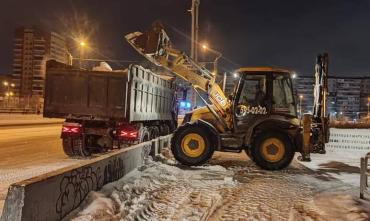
<point x="253" y="92"/>
<point x="283" y="100"/>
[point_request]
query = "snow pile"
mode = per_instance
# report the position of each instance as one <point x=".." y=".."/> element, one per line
<point x="231" y="187"/>
<point x="103" y="66"/>
<point x="158" y="192"/>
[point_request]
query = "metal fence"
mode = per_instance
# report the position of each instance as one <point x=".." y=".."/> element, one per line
<point x="364" y="186"/>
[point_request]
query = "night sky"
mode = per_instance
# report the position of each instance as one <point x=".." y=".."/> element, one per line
<point x="285" y="33"/>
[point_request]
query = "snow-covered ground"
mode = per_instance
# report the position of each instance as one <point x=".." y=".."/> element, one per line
<point x="231" y="187"/>
<point x="22" y="119"/>
<point x="338" y="164"/>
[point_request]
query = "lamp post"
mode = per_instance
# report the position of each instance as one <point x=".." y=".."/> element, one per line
<point x="194" y="39"/>
<point x="82" y="47"/>
<point x="300" y="105"/>
<point x="8" y="95"/>
<point x="8" y="92"/>
<point x="194" y="29"/>
<point x="215" y="64"/>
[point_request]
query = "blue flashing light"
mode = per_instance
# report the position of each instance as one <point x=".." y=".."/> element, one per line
<point x="182" y="104"/>
<point x="185" y="104"/>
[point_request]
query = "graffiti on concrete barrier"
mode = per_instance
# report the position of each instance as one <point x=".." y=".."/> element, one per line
<point x="114" y="170"/>
<point x="75" y="186"/>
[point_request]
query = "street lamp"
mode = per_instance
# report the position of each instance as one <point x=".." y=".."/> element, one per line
<point x="215" y="62"/>
<point x="294" y="75"/>
<point x="83" y="45"/>
<point x="8" y="93"/>
<point x="300" y="105"/>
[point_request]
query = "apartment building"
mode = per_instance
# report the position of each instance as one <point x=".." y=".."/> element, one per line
<point x="347" y="96"/>
<point x="32" y="47"/>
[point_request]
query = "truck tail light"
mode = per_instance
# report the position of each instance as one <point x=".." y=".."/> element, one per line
<point x="71" y="129"/>
<point x="132" y="134"/>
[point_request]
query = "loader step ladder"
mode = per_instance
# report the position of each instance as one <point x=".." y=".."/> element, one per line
<point x="365" y="173"/>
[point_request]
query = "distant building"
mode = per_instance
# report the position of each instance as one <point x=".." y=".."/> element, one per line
<point x="347" y="96"/>
<point x="365" y="96"/>
<point x="32" y="47"/>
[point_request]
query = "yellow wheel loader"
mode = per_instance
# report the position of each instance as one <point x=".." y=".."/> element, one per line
<point x="259" y="117"/>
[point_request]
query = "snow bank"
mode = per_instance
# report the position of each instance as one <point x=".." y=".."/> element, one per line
<point x="158" y="192"/>
<point x="233" y="188"/>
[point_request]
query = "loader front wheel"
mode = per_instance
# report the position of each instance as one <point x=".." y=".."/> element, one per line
<point x="191" y="145"/>
<point x="272" y="150"/>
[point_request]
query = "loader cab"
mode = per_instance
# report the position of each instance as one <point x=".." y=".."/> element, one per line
<point x="262" y="92"/>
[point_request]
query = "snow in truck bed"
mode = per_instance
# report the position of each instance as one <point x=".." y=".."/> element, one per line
<point x="231" y="187"/>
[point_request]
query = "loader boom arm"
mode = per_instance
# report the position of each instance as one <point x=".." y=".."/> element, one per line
<point x="156" y="46"/>
<point x="321" y="86"/>
<point x="316" y="126"/>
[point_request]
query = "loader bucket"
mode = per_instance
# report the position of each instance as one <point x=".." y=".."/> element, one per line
<point x="152" y="42"/>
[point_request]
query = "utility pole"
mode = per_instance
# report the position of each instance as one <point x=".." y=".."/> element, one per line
<point x="194" y="39"/>
<point x="368" y="107"/>
<point x="224" y="82"/>
<point x="194" y="29"/>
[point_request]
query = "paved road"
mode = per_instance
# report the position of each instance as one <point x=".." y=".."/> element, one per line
<point x="27" y="151"/>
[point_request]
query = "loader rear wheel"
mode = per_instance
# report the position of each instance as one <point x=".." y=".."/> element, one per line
<point x="272" y="150"/>
<point x="191" y="145"/>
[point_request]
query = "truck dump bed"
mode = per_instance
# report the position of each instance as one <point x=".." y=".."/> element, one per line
<point x="133" y="95"/>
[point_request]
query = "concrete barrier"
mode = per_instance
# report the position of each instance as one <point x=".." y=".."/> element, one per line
<point x="53" y="195"/>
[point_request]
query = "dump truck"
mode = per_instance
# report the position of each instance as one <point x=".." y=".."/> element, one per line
<point x="260" y="116"/>
<point x="107" y="109"/>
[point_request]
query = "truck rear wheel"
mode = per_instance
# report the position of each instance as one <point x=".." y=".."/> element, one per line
<point x="68" y="147"/>
<point x="272" y="150"/>
<point x="164" y="129"/>
<point x="191" y="145"/>
<point x="144" y="135"/>
<point x="75" y="147"/>
<point x="154" y="132"/>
